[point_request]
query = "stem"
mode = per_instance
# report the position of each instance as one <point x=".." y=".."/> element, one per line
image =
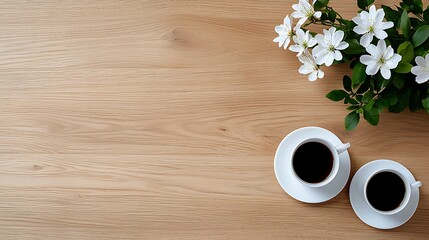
<point x="325" y="23"/>
<point x="419" y="16"/>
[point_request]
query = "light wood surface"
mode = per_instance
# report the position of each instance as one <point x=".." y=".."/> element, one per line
<point x="160" y="120"/>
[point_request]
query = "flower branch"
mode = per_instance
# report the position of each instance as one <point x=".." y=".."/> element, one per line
<point x="385" y="48"/>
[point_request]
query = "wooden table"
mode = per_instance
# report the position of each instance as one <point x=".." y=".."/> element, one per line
<point x="160" y="119"/>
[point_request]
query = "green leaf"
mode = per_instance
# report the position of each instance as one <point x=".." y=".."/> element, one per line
<point x="323" y="2"/>
<point x="398" y="81"/>
<point x="363" y="4"/>
<point x="418" y="6"/>
<point x="391" y="15"/>
<point x="319" y="4"/>
<point x="364" y="86"/>
<point x="406" y="50"/>
<point x="415" y="23"/>
<point x="369" y="105"/>
<point x="337" y="95"/>
<point x="332" y="15"/>
<point x="382" y="103"/>
<point x="324" y="17"/>
<point x="421" y="35"/>
<point x="354" y="47"/>
<point x="367" y="96"/>
<point x="353" y="107"/>
<point x="347" y="83"/>
<point x="405" y="24"/>
<point x="426" y="104"/>
<point x="359" y="74"/>
<point x="349" y="100"/>
<point x="372" y="116"/>
<point x="403" y="68"/>
<point x="351" y="120"/>
<point x="359" y="98"/>
<point x="393" y="99"/>
<point x="404" y="6"/>
<point x="426" y="15"/>
<point x="414" y="103"/>
<point x="403" y="100"/>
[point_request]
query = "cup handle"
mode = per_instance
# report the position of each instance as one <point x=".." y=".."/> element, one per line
<point x="342" y="148"/>
<point x="416" y="184"/>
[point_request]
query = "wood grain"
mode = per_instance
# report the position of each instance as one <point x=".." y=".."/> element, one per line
<point x="160" y="119"/>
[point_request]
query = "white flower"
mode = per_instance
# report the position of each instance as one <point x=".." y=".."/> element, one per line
<point x="304" y="10"/>
<point x="422" y="69"/>
<point x="370" y="24"/>
<point x="285" y="32"/>
<point x="302" y="42"/>
<point x="328" y="47"/>
<point x="310" y="67"/>
<point x="381" y="58"/>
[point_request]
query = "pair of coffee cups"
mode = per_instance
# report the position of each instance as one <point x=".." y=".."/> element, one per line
<point x="318" y="162"/>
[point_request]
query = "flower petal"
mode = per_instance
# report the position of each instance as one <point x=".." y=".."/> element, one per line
<point x="287" y="41"/>
<point x="296" y="7"/>
<point x="381" y="46"/>
<point x="379" y="16"/>
<point x="395" y="59"/>
<point x="287" y="21"/>
<point x="304" y="3"/>
<point x="329" y="59"/>
<point x="359" y="21"/>
<point x="360" y="30"/>
<point x="338" y="56"/>
<point x="372" y="12"/>
<point x="320" y="73"/>
<point x="298" y="15"/>
<point x="365" y="16"/>
<point x="312" y="42"/>
<point x="380" y="34"/>
<point x="317" y="14"/>
<point x="280" y="29"/>
<point x="295" y="48"/>
<point x="302" y="21"/>
<point x="417" y="70"/>
<point x="422" y="78"/>
<point x="342" y="46"/>
<point x="372" y="49"/>
<point x="313" y="76"/>
<point x="337" y="38"/>
<point x="317" y="51"/>
<point x="387" y="25"/>
<point x="385" y="72"/>
<point x="372" y="69"/>
<point x="368" y="60"/>
<point x="421" y="61"/>
<point x="280" y="40"/>
<point x="304" y="69"/>
<point x="388" y="53"/>
<point x="322" y="58"/>
<point x="321" y="40"/>
<point x="366" y="39"/>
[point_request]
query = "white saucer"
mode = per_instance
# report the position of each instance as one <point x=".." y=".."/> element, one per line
<point x="286" y="178"/>
<point x="362" y="208"/>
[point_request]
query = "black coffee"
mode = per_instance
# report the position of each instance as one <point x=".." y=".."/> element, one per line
<point x="385" y="191"/>
<point x="313" y="162"/>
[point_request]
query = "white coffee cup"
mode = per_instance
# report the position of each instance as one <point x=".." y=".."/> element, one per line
<point x="409" y="186"/>
<point x="335" y="151"/>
